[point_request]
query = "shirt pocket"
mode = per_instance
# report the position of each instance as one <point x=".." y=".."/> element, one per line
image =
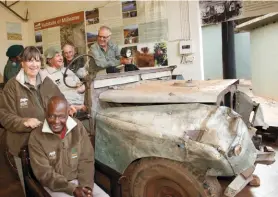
<point x="111" y="55"/>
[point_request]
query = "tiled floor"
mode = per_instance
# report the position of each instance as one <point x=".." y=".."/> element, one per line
<point x="10" y="186"/>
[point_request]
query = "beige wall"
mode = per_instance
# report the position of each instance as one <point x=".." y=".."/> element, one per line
<point x="7" y="16"/>
<point x="264" y="61"/>
<point x="41" y="10"/>
<point x="194" y="70"/>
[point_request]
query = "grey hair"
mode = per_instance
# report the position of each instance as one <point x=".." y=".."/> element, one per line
<point x="68" y="44"/>
<point x="106" y="28"/>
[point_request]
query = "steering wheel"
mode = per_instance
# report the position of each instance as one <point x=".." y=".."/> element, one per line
<point x="69" y="66"/>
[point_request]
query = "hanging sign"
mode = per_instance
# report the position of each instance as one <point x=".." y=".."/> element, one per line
<point x="59" y="21"/>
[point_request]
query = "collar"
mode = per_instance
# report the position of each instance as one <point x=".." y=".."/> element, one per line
<point x="109" y="45"/>
<point x="70" y="125"/>
<point x="12" y="63"/>
<point x="66" y="62"/>
<point x="20" y="77"/>
<point x="38" y="80"/>
<point x="52" y="70"/>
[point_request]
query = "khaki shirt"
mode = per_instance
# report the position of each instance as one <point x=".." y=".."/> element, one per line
<point x="105" y="59"/>
<point x="57" y="161"/>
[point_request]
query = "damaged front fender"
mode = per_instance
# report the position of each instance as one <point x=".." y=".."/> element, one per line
<point x="244" y="105"/>
<point x="125" y="134"/>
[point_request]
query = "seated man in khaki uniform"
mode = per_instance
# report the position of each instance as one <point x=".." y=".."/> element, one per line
<point x="61" y="154"/>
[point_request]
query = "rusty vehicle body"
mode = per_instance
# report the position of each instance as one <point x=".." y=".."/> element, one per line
<point x="155" y="136"/>
<point x="173" y="137"/>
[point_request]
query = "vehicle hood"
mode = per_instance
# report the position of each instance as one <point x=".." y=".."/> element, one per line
<point x="207" y="124"/>
<point x="169" y="91"/>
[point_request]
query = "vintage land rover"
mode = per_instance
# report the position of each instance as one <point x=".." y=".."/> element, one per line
<point x="172" y="138"/>
<point x="158" y="136"/>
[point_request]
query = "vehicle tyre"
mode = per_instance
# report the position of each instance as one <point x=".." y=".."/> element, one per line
<point x="157" y="177"/>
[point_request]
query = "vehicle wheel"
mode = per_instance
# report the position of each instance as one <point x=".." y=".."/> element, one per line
<point x="157" y="177"/>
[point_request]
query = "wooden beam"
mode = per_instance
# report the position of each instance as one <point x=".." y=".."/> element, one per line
<point x="13" y="4"/>
<point x="24" y="19"/>
<point x="27" y="12"/>
<point x="258" y="22"/>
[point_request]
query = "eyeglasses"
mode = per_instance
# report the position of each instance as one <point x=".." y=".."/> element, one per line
<point x="60" y="117"/>
<point x="103" y="37"/>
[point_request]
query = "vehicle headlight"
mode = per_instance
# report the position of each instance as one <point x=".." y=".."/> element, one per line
<point x="235" y="151"/>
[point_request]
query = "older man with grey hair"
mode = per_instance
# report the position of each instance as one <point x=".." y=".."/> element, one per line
<point x="106" y="53"/>
<point x="77" y="66"/>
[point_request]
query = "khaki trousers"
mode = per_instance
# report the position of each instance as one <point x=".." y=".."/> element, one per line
<point x="97" y="191"/>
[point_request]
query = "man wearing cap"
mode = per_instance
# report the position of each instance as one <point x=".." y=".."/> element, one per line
<point x="55" y="70"/>
<point x="13" y="64"/>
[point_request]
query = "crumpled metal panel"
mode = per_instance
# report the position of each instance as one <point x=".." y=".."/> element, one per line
<point x="195" y="133"/>
<point x="242" y="162"/>
<point x="259" y="119"/>
<point x="245" y="105"/>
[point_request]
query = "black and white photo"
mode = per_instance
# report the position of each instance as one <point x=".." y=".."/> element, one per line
<point x="218" y="11"/>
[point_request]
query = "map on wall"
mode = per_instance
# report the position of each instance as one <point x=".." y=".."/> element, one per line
<point x="149" y="17"/>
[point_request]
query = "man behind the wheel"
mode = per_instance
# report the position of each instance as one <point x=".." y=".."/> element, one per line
<point x="55" y="70"/>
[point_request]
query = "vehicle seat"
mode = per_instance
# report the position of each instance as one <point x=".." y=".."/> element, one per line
<point x="81" y="115"/>
<point x="32" y="187"/>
